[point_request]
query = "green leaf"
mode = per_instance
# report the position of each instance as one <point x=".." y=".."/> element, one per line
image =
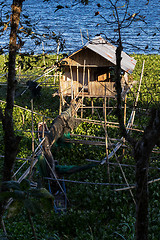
<point x="41" y="193"/>
<point x="32" y="207"/>
<point x="25" y="184"/>
<point x="15" y="208"/>
<point x="5" y="195"/>
<point x="47" y="204"/>
<point x="18" y="195"/>
<point x="11" y="185"/>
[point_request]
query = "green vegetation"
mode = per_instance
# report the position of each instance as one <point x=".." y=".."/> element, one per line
<point x="94" y="211"/>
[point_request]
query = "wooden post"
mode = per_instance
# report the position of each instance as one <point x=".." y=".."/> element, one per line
<point x="19" y="75"/>
<point x="33" y="152"/>
<point x="71" y="81"/>
<point x="87" y="35"/>
<point x="88" y="78"/>
<point x="92" y="106"/>
<point x="32" y="128"/>
<point x="43" y="127"/>
<point x="58" y="43"/>
<point x="83" y="87"/>
<point x="44" y="60"/>
<point x="81" y="36"/>
<point x="60" y="96"/>
<point x="125" y="109"/>
<point x="77" y="79"/>
<point x="77" y="84"/>
<point x="106" y="135"/>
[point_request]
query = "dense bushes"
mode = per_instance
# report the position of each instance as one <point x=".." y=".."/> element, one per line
<point x="94" y="211"/>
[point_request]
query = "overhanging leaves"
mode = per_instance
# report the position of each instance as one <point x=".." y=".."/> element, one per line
<point x="11" y="185"/>
<point x="15" y="208"/>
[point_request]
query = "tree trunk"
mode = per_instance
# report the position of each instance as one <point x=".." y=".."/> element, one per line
<point x="62" y="124"/>
<point x="142" y="152"/>
<point x="11" y="141"/>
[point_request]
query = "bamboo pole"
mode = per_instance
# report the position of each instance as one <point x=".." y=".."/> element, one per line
<point x="87" y="35"/>
<point x="136" y="102"/>
<point x="106" y="135"/>
<point x="71" y="81"/>
<point x="131" y="187"/>
<point x="33" y="149"/>
<point x="131" y="119"/>
<point x="90" y="183"/>
<point x="4" y="228"/>
<point x="58" y="43"/>
<point x="44" y="60"/>
<point x="125" y="104"/>
<point x="81" y="36"/>
<point x="77" y="79"/>
<point x="87" y="142"/>
<point x="28" y="110"/>
<point x="43" y="75"/>
<point x="83" y="87"/>
<point x="43" y="129"/>
<point x="60" y="96"/>
<point x="95" y="137"/>
<point x="92" y="105"/>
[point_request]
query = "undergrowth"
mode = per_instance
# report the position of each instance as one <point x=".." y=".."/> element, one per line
<point x="95" y="212"/>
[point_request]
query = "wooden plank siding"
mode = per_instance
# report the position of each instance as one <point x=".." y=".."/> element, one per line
<point x="92" y="87"/>
<point x="89" y="70"/>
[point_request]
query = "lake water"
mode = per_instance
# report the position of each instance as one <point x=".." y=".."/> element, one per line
<point x="68" y="22"/>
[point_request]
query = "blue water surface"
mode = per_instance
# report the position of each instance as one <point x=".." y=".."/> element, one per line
<point x="139" y="37"/>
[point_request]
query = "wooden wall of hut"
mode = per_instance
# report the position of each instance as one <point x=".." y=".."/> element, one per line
<point x="89" y="74"/>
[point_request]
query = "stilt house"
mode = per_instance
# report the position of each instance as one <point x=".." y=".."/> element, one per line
<point x="89" y="71"/>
